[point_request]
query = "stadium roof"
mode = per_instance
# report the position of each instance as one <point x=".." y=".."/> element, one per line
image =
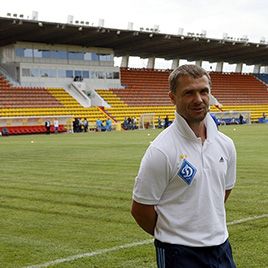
<point x="144" y="44"/>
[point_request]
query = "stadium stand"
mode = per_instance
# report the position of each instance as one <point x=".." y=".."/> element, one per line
<point x="39" y="80"/>
<point x="145" y="91"/>
<point x="238" y="89"/>
<point x="42" y="102"/>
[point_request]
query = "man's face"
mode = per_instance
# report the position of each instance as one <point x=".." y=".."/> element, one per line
<point x="192" y="98"/>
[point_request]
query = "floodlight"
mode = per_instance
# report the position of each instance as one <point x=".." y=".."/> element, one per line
<point x="101" y="22"/>
<point x="130" y="26"/>
<point x="34" y="15"/>
<point x="262" y="41"/>
<point x="204" y="33"/>
<point x="156" y="28"/>
<point x="180" y="31"/>
<point x="70" y="19"/>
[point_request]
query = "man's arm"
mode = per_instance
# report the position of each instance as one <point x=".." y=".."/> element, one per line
<point x="227" y="193"/>
<point x="145" y="216"/>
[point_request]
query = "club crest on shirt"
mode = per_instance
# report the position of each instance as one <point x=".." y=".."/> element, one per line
<point x="187" y="172"/>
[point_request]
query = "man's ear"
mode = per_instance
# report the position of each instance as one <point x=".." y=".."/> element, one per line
<point x="172" y="97"/>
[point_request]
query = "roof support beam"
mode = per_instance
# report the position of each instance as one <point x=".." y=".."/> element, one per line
<point x="257" y="69"/>
<point x="239" y="67"/>
<point x="219" y="66"/>
<point x="198" y="63"/>
<point x="151" y="63"/>
<point x="124" y="61"/>
<point x="175" y="63"/>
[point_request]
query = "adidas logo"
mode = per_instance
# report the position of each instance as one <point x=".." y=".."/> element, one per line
<point x="221" y="159"/>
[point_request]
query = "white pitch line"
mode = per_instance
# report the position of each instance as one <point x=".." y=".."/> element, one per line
<point x="91" y="254"/>
<point x="125" y="246"/>
<point x="247" y="219"/>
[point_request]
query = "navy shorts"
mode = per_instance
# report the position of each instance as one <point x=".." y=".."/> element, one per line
<point x="178" y="256"/>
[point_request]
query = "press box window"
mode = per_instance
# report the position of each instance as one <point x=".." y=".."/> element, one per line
<point x="69" y="73"/>
<point x="25" y="72"/>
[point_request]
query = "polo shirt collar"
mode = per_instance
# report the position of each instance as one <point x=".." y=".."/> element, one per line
<point x="188" y="133"/>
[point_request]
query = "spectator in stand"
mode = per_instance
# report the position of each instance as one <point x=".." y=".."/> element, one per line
<point x="80" y="125"/>
<point x="159" y="122"/>
<point x="5" y="131"/>
<point x="98" y="125"/>
<point x="125" y="124"/>
<point x="85" y="123"/>
<point x="103" y="125"/>
<point x="76" y="125"/>
<point x="56" y="126"/>
<point x="241" y="119"/>
<point x="47" y="125"/>
<point x="129" y="123"/>
<point x="134" y="123"/>
<point x="167" y="122"/>
<point x="108" y="124"/>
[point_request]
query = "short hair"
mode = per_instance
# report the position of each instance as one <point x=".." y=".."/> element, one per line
<point x="189" y="70"/>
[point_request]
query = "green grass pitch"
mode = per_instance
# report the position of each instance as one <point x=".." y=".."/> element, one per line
<point x="69" y="194"/>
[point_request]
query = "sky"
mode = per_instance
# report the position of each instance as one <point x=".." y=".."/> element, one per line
<point x="236" y="18"/>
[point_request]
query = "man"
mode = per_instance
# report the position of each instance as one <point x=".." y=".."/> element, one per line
<point x="56" y="126"/>
<point x="47" y="125"/>
<point x="85" y="123"/>
<point x="185" y="177"/>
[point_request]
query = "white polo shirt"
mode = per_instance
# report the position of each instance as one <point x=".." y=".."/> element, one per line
<point x="186" y="181"/>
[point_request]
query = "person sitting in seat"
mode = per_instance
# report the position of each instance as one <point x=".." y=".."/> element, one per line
<point x="108" y="124"/>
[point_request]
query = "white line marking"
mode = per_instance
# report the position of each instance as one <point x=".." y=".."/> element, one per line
<point x="247" y="219"/>
<point x="91" y="254"/>
<point x="130" y="245"/>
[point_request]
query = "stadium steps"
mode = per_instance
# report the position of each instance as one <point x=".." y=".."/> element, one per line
<point x="120" y="110"/>
<point x="18" y="97"/>
<point x="111" y="98"/>
<point x="238" y="89"/>
<point x="146" y="91"/>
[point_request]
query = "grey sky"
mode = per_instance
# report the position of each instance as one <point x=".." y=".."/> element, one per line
<point x="237" y="18"/>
